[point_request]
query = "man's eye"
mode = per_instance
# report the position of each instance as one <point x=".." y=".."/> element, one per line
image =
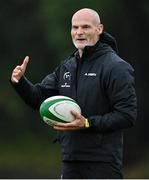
<point x="74" y="27"/>
<point x="86" y="27"/>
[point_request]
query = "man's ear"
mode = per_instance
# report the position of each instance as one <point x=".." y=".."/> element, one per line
<point x="100" y="28"/>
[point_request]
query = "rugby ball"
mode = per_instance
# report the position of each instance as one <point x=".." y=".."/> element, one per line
<point x="58" y="109"/>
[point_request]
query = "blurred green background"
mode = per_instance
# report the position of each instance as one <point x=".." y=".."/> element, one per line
<point x="41" y="30"/>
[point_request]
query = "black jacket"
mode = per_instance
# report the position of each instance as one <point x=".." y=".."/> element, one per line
<point x="103" y="85"/>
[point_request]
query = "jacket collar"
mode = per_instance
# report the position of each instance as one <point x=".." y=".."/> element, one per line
<point x="105" y="44"/>
<point x="91" y="52"/>
<point x="88" y="51"/>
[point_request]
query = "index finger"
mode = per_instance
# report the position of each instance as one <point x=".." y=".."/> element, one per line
<point x="64" y="126"/>
<point x="25" y="62"/>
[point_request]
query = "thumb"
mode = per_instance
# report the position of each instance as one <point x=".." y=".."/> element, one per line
<point x="25" y="63"/>
<point x="76" y="114"/>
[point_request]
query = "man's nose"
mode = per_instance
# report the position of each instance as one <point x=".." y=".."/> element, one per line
<point x="79" y="30"/>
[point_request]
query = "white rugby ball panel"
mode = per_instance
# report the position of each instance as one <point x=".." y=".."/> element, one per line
<point x="62" y="110"/>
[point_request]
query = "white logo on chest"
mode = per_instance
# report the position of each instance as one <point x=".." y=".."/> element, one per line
<point x="90" y="74"/>
<point x="67" y="78"/>
<point x="65" y="85"/>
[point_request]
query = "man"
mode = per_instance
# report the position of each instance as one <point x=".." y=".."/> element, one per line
<point x="103" y="86"/>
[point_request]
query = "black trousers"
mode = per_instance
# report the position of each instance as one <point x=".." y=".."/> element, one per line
<point x="89" y="170"/>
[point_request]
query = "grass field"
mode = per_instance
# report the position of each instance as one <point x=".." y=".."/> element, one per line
<point x="30" y="158"/>
<point x="40" y="158"/>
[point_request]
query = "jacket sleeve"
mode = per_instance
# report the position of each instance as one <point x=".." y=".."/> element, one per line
<point x="120" y="90"/>
<point x="34" y="94"/>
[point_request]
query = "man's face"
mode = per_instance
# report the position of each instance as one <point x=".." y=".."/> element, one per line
<point x="84" y="31"/>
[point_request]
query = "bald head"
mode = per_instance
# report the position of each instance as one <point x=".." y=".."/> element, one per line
<point x="89" y="14"/>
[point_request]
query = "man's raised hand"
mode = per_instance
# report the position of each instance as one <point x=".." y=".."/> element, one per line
<point x="19" y="70"/>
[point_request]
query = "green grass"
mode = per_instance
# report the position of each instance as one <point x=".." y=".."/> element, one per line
<point x="40" y="157"/>
<point x="36" y="157"/>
